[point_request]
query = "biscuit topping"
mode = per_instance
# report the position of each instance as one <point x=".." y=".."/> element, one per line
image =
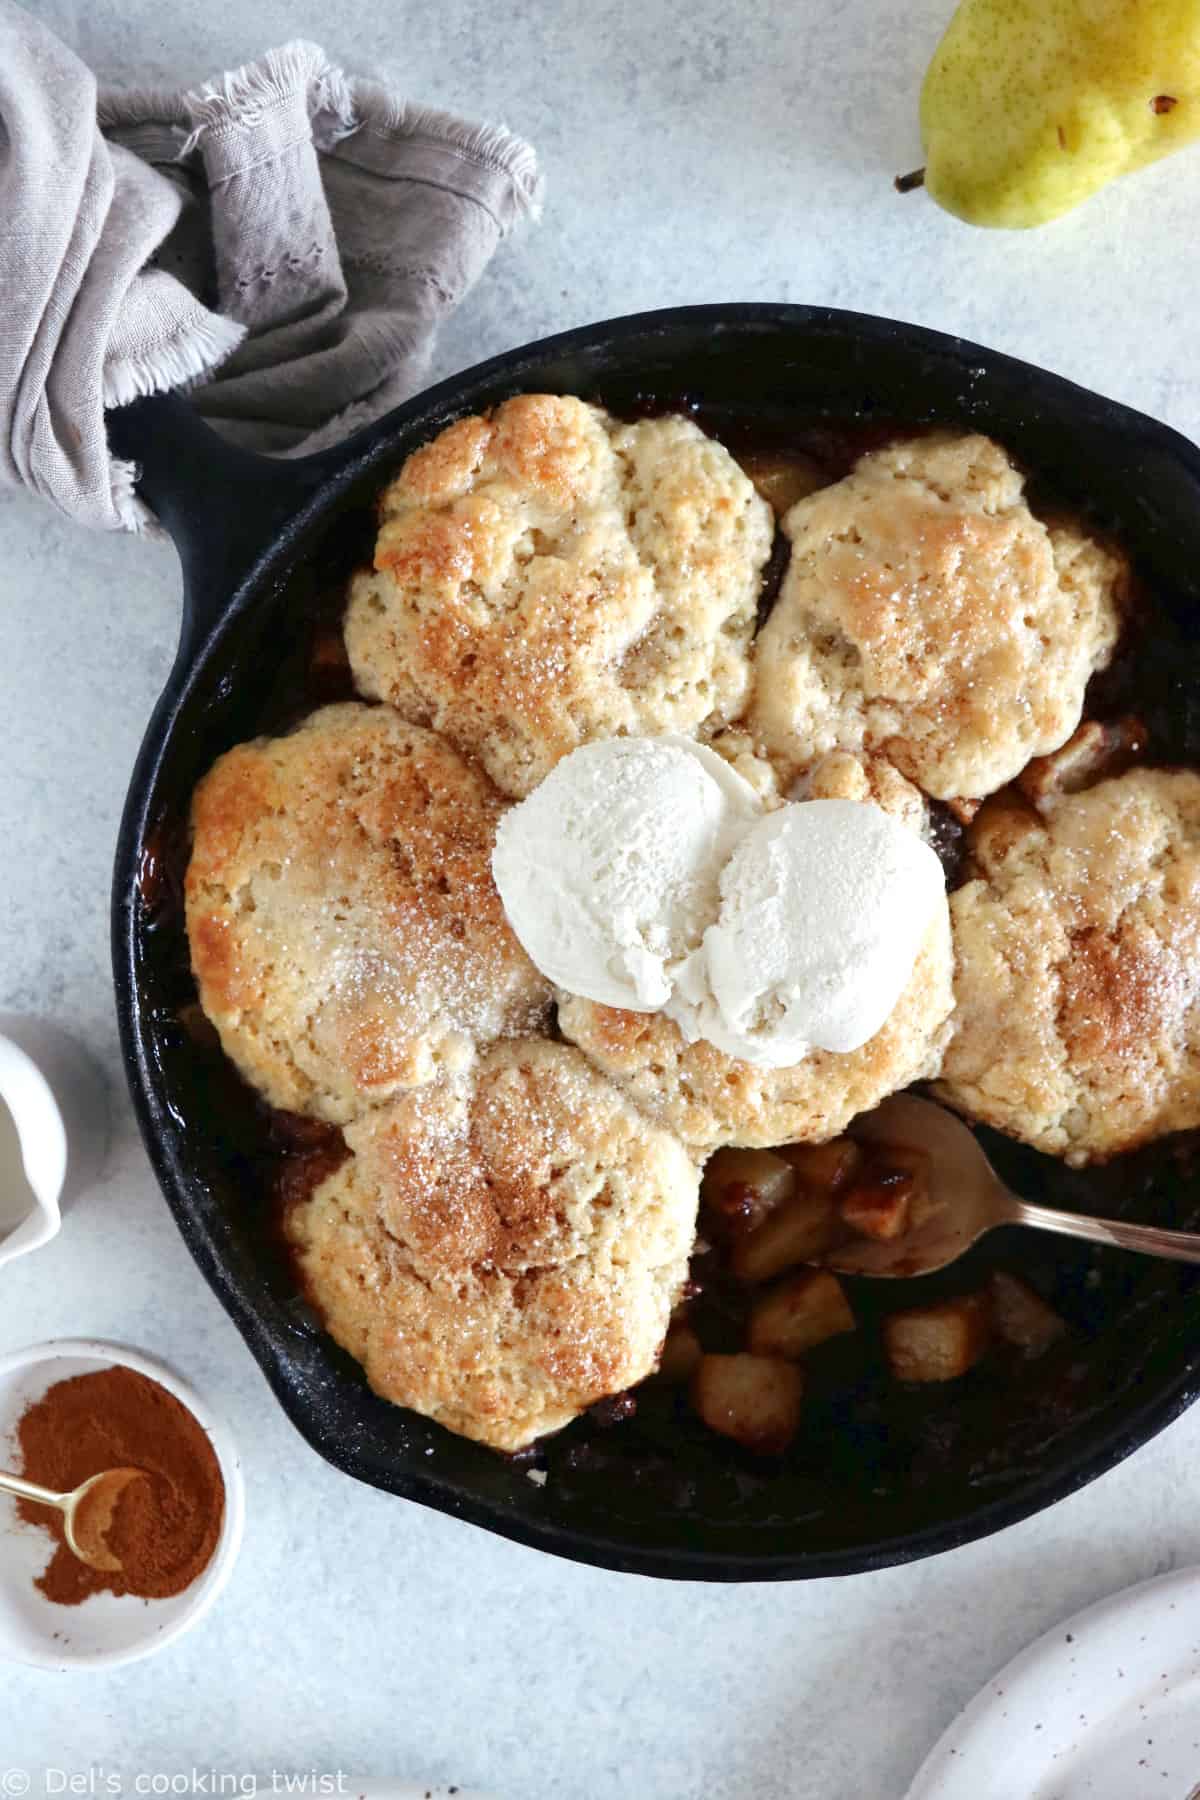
<point x="547" y="575"/>
<point x="927" y="615"/>
<point x="645" y="873"/>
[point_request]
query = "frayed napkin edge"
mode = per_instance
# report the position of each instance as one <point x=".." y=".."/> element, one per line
<point x="339" y="107"/>
<point x="198" y="345"/>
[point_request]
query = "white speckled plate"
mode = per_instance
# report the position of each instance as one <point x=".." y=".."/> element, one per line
<point x="1105" y="1707"/>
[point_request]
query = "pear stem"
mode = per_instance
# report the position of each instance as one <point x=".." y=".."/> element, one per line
<point x="904" y="184"/>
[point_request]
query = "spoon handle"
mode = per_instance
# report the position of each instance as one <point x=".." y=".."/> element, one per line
<point x="29" y="1490"/>
<point x="1151" y="1240"/>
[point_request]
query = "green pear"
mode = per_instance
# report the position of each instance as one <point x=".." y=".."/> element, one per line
<point x="1030" y="106"/>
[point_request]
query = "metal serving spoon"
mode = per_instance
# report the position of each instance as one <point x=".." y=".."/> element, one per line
<point x="87" y="1512"/>
<point x="975" y="1201"/>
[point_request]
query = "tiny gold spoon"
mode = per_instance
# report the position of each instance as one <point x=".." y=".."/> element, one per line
<point x="87" y="1512"/>
<point x="970" y="1200"/>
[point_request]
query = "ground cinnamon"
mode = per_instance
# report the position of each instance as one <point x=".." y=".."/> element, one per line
<point x="164" y="1529"/>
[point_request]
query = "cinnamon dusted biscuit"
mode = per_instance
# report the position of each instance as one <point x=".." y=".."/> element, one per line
<point x="504" y="1249"/>
<point x="710" y="1098"/>
<point x="926" y="614"/>
<point x="345" y="931"/>
<point x="866" y="779"/>
<point x="546" y="575"/>
<point x="837" y="775"/>
<point x="1077" y="1026"/>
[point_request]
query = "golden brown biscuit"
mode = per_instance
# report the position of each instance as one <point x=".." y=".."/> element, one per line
<point x="346" y="934"/>
<point x="503" y="1250"/>
<point x="868" y="780"/>
<point x="736" y="747"/>
<point x="710" y="1098"/>
<point x="546" y="575"/>
<point x="838" y="775"/>
<point x="1077" y="1026"/>
<point x="927" y="614"/>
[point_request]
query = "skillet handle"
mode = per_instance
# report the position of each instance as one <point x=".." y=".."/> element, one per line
<point x="222" y="506"/>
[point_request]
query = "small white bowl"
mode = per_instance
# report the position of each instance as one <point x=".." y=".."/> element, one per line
<point x="56" y="1097"/>
<point x="106" y="1629"/>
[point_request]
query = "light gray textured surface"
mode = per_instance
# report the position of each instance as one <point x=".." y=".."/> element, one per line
<point x="694" y="153"/>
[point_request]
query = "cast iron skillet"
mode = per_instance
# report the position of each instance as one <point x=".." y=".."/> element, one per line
<point x="880" y="1478"/>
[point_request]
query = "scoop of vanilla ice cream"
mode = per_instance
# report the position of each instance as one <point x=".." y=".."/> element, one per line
<point x="610" y="870"/>
<point x="823" y="908"/>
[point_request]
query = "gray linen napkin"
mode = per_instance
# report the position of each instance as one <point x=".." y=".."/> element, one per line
<point x="301" y="231"/>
